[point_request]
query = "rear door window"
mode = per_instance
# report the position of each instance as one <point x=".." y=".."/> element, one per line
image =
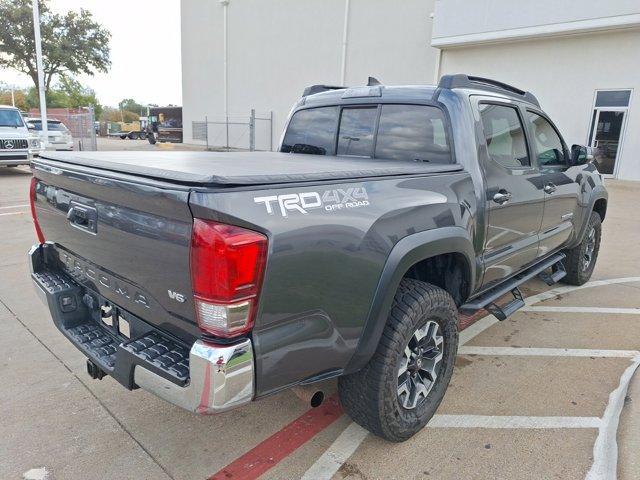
<point x="312" y="131"/>
<point x="413" y="132"/>
<point x="357" y="129"/>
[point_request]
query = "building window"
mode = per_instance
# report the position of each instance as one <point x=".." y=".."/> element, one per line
<point x="613" y="98"/>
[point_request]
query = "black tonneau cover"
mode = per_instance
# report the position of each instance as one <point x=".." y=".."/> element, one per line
<point x="243" y="168"/>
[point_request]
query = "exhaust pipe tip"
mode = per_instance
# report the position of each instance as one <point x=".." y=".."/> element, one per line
<point x="309" y="394"/>
<point x="317" y="399"/>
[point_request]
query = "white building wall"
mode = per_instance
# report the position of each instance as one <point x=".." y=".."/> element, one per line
<point x="563" y="73"/>
<point x="278" y="47"/>
<point x="461" y="22"/>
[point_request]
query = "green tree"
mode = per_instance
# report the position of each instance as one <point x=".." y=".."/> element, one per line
<point x="19" y="96"/>
<point x="130" y="105"/>
<point x="110" y="114"/>
<point x="72" y="43"/>
<point x="66" y="93"/>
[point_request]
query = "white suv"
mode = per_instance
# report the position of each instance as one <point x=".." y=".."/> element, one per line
<point x="59" y="135"/>
<point x="17" y="145"/>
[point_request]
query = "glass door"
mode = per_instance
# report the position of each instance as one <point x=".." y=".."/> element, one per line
<point x="607" y="128"/>
<point x="607" y="137"/>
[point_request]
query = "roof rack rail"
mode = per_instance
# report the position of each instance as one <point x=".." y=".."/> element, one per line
<point x="461" y="80"/>
<point x="313" y="89"/>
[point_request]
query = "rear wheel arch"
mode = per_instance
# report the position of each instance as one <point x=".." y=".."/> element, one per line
<point x="412" y="257"/>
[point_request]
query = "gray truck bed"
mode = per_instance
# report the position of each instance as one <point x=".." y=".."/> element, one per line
<point x="243" y="168"/>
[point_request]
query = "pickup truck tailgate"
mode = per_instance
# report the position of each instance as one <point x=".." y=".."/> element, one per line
<point x="128" y="241"/>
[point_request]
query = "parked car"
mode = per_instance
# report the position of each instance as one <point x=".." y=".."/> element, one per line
<point x="58" y="135"/>
<point x="215" y="279"/>
<point x="17" y="146"/>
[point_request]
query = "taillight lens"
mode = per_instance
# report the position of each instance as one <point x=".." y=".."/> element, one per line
<point x="32" y="202"/>
<point x="227" y="266"/>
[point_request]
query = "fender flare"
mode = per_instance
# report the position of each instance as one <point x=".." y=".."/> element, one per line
<point x="599" y="193"/>
<point x="407" y="252"/>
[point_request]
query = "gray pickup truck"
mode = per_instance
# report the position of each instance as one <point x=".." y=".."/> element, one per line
<point x="216" y="279"/>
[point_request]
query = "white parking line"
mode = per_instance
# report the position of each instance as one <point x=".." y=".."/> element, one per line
<point x="571" y="288"/>
<point x="547" y="352"/>
<point x="11" y="213"/>
<point x="338" y="453"/>
<point x="15" y="206"/>
<point x="600" y="310"/>
<point x="476" y="329"/>
<point x="605" y="450"/>
<point x="496" y="421"/>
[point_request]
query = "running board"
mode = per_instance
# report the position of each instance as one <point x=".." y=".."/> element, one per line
<point x="558" y="272"/>
<point x="488" y="299"/>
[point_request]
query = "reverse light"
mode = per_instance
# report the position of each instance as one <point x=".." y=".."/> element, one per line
<point x="227" y="266"/>
<point x="32" y="203"/>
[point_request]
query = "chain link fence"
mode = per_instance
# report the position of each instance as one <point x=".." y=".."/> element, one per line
<point x="235" y="132"/>
<point x="82" y="128"/>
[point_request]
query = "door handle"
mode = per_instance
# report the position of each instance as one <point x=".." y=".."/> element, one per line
<point x="549" y="188"/>
<point x="502" y="197"/>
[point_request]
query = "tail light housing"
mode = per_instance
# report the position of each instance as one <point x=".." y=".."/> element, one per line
<point x="32" y="203"/>
<point x="227" y="267"/>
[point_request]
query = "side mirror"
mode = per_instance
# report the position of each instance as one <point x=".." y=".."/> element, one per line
<point x="581" y="155"/>
<point x="30" y="126"/>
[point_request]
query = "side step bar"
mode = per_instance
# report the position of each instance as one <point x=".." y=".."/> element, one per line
<point x="501" y="312"/>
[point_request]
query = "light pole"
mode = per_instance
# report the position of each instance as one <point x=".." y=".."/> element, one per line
<point x="43" y="100"/>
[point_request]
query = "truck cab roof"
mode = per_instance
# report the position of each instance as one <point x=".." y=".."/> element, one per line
<point x="468" y="84"/>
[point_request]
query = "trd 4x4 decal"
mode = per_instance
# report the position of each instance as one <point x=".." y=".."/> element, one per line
<point x="329" y="200"/>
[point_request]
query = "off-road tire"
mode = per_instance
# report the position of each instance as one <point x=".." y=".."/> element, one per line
<point x="370" y="396"/>
<point x="577" y="274"/>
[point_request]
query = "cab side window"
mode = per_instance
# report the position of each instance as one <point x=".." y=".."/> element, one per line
<point x="312" y="131"/>
<point x="548" y="143"/>
<point x="504" y="135"/>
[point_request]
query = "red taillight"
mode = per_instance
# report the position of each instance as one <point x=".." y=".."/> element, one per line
<point x="227" y="266"/>
<point x="32" y="202"/>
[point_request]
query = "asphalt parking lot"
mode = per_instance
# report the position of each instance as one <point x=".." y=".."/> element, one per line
<point x="549" y="393"/>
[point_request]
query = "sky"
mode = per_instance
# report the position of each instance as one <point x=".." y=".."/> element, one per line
<point x="145" y="51"/>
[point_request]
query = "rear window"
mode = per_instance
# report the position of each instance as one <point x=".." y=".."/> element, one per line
<point x="357" y="128"/>
<point x="390" y="131"/>
<point x="51" y="126"/>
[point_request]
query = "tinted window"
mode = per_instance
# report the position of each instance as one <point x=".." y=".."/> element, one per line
<point x="504" y="135"/>
<point x="548" y="143"/>
<point x="312" y="131"/>
<point x="357" y="126"/>
<point x="51" y="126"/>
<point x="412" y="132"/>
<point x="613" y="98"/>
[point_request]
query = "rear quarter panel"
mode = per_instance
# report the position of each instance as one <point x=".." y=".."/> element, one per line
<point x="324" y="264"/>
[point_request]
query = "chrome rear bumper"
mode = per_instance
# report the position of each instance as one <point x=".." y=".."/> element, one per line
<point x="221" y="378"/>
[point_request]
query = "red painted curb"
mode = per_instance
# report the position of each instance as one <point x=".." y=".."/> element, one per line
<point x="281" y="444"/>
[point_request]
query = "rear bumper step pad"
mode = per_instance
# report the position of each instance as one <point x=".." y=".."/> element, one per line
<point x="114" y="354"/>
<point x="205" y="378"/>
